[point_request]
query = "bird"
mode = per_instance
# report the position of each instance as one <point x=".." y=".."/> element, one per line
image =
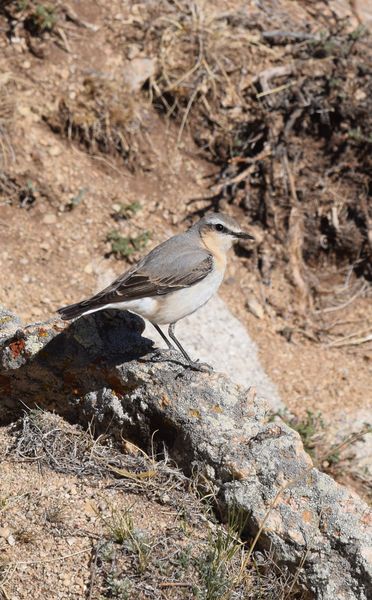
<point x="173" y="280"/>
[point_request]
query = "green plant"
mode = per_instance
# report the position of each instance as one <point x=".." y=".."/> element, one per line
<point x="223" y="556"/>
<point x="119" y="588"/>
<point x="44" y="18"/>
<point x="125" y="246"/>
<point x="121" y="528"/>
<point x="309" y="428"/>
<point x="76" y="199"/>
<point x="127" y="211"/>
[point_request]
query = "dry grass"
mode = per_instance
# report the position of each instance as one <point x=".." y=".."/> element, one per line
<point x="194" y="558"/>
<point x="103" y="117"/>
<point x="7" y="109"/>
<point x="286" y="115"/>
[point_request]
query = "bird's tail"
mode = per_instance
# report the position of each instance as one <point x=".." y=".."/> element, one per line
<point x="72" y="311"/>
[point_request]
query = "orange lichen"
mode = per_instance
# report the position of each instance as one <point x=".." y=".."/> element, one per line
<point x="165" y="401"/>
<point x="194" y="412"/>
<point x="17" y="348"/>
<point x="42" y="332"/>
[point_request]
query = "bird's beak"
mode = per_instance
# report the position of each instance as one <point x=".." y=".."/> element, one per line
<point x="242" y="235"/>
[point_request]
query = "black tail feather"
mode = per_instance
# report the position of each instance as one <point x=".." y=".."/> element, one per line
<point x="73" y="310"/>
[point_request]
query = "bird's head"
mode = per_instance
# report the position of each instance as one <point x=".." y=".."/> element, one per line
<point x="219" y="231"/>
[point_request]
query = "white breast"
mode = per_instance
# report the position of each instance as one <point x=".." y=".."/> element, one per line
<point x="179" y="304"/>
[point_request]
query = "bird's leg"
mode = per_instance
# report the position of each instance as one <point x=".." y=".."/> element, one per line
<point x="175" y="340"/>
<point x="198" y="366"/>
<point x="160" y="332"/>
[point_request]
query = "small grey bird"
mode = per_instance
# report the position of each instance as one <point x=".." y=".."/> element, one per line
<point x="173" y="280"/>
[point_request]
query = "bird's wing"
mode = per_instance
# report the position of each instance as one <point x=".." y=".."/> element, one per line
<point x="143" y="283"/>
<point x="169" y="267"/>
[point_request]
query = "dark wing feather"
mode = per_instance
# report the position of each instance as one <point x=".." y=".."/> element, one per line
<point x="143" y="280"/>
<point x="141" y="283"/>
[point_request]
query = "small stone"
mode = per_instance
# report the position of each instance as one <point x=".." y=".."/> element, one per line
<point x="138" y="71"/>
<point x="360" y="95"/>
<point x="5" y="532"/>
<point x="55" y="151"/>
<point x="88" y="269"/>
<point x="255" y="307"/>
<point x="11" y="540"/>
<point x="24" y="111"/>
<point x="49" y="219"/>
<point x="133" y="51"/>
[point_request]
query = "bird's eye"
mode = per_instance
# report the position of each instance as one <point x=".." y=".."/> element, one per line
<point x="219" y="227"/>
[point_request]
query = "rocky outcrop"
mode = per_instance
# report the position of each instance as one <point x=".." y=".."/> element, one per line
<point x="100" y="368"/>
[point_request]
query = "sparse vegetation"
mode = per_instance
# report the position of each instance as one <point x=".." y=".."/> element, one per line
<point x="338" y="459"/>
<point x="204" y="560"/>
<point x="125" y="246"/>
<point x="126" y="211"/>
<point x="102" y="117"/>
<point x="35" y="17"/>
<point x="276" y="112"/>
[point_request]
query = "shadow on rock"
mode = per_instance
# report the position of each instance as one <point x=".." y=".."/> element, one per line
<point x="48" y="366"/>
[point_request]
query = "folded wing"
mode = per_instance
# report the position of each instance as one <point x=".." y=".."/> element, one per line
<point x="160" y="272"/>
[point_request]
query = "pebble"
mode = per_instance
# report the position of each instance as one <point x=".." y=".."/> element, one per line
<point x="255" y="307"/>
<point x="55" y="151"/>
<point x="49" y="219"/>
<point x="360" y="95"/>
<point x="5" y="532"/>
<point x="24" y="111"/>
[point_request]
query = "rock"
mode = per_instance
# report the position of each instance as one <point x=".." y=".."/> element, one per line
<point x="9" y="324"/>
<point x="5" y="532"/>
<point x="138" y="71"/>
<point x="214" y="335"/>
<point x="364" y="12"/>
<point x="101" y="369"/>
<point x="55" y="150"/>
<point x="255" y="307"/>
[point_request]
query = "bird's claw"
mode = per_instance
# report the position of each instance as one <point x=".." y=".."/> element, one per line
<point x="196" y="365"/>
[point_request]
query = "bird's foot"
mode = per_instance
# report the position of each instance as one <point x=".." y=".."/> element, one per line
<point x="196" y="365"/>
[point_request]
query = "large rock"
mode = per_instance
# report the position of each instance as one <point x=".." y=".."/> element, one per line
<point x="101" y="368"/>
<point x="214" y="335"/>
